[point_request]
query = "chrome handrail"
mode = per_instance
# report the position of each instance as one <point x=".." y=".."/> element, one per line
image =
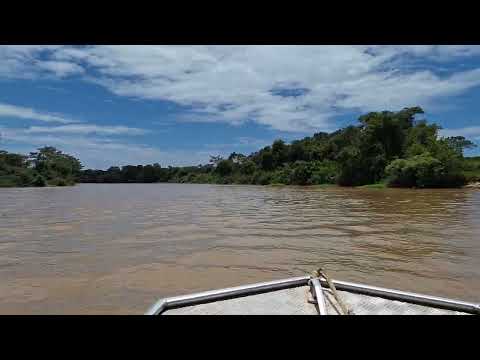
<point x="410" y="297"/>
<point x="239" y="291"/>
<point x="317" y="291"/>
<point x="223" y="294"/>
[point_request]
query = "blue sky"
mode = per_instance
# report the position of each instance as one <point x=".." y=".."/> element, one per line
<point x="177" y="105"/>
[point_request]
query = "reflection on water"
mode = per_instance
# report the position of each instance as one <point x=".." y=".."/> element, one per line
<point x="117" y="248"/>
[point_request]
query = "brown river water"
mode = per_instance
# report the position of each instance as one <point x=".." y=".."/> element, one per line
<point x="115" y="249"/>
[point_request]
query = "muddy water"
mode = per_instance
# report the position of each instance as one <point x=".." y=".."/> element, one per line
<point x="103" y="249"/>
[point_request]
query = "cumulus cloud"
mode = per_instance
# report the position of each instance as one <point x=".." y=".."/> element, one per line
<point x="97" y="146"/>
<point x="12" y="111"/>
<point x="86" y="129"/>
<point x="22" y="61"/>
<point x="102" y="153"/>
<point x="287" y="88"/>
<point x="437" y="53"/>
<point x="254" y="142"/>
<point x="235" y="83"/>
<point x="470" y="132"/>
<point x="61" y="68"/>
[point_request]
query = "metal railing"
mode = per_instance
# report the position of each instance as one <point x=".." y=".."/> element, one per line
<point x="252" y="289"/>
<point x="224" y="294"/>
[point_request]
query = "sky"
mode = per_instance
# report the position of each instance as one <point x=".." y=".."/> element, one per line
<point x="177" y="105"/>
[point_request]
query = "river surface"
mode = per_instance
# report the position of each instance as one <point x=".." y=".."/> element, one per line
<point x="115" y="249"/>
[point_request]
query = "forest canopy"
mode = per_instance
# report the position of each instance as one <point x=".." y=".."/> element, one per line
<point x="393" y="148"/>
<point x="389" y="148"/>
<point x="47" y="166"/>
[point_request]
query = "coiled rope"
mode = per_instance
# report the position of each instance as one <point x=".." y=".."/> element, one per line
<point x="321" y="273"/>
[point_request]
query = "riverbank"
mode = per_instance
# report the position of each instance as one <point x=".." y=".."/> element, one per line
<point x="471" y="185"/>
<point x="38" y="181"/>
<point x="383" y="185"/>
<point x="9" y="186"/>
<point x="47" y="167"/>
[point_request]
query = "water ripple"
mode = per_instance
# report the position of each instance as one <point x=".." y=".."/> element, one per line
<point x="115" y="248"/>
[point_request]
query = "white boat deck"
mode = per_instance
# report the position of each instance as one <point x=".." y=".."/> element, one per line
<point x="297" y="301"/>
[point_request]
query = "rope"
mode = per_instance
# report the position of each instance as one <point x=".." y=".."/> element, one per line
<point x="320" y="273"/>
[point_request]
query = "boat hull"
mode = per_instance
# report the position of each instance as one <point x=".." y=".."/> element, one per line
<point x="296" y="296"/>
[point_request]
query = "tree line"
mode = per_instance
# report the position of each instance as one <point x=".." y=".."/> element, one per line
<point x="46" y="167"/>
<point x="390" y="148"/>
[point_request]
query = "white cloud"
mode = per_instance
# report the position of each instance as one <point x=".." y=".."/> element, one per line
<point x="433" y="52"/>
<point x="92" y="143"/>
<point x="7" y="110"/>
<point x="86" y="129"/>
<point x="22" y="61"/>
<point x="103" y="153"/>
<point x="235" y="84"/>
<point x="240" y="144"/>
<point x="253" y="142"/>
<point x="470" y="132"/>
<point x="61" y="68"/>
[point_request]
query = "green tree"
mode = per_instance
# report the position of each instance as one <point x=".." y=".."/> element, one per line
<point x="384" y="144"/>
<point x="237" y="158"/>
<point x="248" y="167"/>
<point x="52" y="163"/>
<point x="149" y="174"/>
<point x="224" y="168"/>
<point x="39" y="181"/>
<point x="279" y="153"/>
<point x="266" y="160"/>
<point x="215" y="159"/>
<point x="423" y="171"/>
<point x="298" y="152"/>
<point x="459" y="143"/>
<point x="301" y="173"/>
<point x="129" y="173"/>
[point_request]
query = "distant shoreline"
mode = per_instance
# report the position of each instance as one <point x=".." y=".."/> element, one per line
<point x="473" y="185"/>
<point x="368" y="186"/>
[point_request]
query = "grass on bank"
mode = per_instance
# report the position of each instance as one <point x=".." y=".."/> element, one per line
<point x="380" y="185"/>
<point x="472" y="169"/>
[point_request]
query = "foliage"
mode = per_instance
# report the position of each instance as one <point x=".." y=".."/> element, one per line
<point x="381" y="185"/>
<point x="423" y="171"/>
<point x="48" y="166"/>
<point x="224" y="168"/>
<point x="39" y="181"/>
<point x="471" y="169"/>
<point x="393" y="148"/>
